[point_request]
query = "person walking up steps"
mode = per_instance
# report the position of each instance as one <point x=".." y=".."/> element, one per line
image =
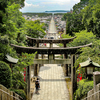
<point x="37" y="85"/>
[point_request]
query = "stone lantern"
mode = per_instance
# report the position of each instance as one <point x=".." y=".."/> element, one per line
<point x="89" y="66"/>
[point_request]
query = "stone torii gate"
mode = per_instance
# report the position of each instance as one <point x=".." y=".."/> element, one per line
<point x="51" y="51"/>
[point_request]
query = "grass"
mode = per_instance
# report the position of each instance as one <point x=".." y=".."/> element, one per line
<point x="68" y="84"/>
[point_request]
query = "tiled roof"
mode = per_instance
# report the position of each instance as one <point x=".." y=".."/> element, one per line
<point x="88" y="62"/>
<point x="11" y="59"/>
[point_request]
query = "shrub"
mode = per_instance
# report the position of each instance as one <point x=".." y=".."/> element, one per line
<point x="83" y="87"/>
<point x="18" y="81"/>
<point x="5" y="74"/>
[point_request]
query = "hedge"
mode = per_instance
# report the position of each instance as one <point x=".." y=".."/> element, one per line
<point x="5" y="75"/>
<point x="83" y="87"/>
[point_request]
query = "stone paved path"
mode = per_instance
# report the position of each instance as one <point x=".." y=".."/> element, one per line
<point x="52" y="84"/>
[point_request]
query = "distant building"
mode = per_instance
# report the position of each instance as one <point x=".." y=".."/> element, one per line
<point x="71" y="11"/>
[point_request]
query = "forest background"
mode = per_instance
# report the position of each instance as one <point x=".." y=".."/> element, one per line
<point x="84" y="23"/>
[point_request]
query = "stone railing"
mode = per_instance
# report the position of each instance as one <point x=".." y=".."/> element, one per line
<point x="6" y="94"/>
<point x="91" y="95"/>
<point x="94" y="94"/>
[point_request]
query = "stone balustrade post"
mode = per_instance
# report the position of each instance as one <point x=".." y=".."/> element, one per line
<point x="96" y="80"/>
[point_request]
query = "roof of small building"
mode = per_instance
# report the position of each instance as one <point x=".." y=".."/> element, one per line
<point x="11" y="59"/>
<point x="88" y="62"/>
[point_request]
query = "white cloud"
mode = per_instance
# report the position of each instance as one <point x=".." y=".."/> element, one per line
<point x="48" y="3"/>
<point x="60" y="2"/>
<point x="30" y="5"/>
<point x="43" y="5"/>
<point x="76" y="0"/>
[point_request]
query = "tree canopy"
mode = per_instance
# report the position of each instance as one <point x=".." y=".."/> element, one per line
<point x="35" y="29"/>
<point x="84" y="23"/>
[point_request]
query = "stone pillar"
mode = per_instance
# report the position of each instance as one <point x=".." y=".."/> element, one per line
<point x="50" y="58"/>
<point x="66" y="65"/>
<point x="70" y="68"/>
<point x="96" y="80"/>
<point x="66" y="69"/>
<point x="53" y="56"/>
<point x="35" y="69"/>
<point x="51" y="45"/>
<point x="32" y="43"/>
<point x="39" y="66"/>
<point x="37" y="45"/>
<point x="64" y="44"/>
<point x="73" y="75"/>
<point x="36" y="65"/>
<point x="28" y="82"/>
<point x="42" y="56"/>
<point x="32" y="70"/>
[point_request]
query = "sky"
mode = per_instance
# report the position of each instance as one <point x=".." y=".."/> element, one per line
<point x="48" y="5"/>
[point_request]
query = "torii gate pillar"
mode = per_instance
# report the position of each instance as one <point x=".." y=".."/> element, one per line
<point x="36" y="66"/>
<point x="28" y="82"/>
<point x="73" y="75"/>
<point x="65" y="65"/>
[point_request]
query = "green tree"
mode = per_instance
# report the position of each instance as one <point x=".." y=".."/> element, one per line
<point x="74" y="20"/>
<point x="12" y="31"/>
<point x="91" y="17"/>
<point x="39" y="14"/>
<point x="18" y="70"/>
<point x="14" y="24"/>
<point x="91" y="52"/>
<point x="79" y="6"/>
<point x="83" y="38"/>
<point x="34" y="29"/>
<point x="18" y="81"/>
<point x="65" y="16"/>
<point x="74" y="23"/>
<point x="3" y="5"/>
<point x="5" y="48"/>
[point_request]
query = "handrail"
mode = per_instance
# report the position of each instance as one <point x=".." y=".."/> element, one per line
<point x="11" y="95"/>
<point x="91" y="95"/>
